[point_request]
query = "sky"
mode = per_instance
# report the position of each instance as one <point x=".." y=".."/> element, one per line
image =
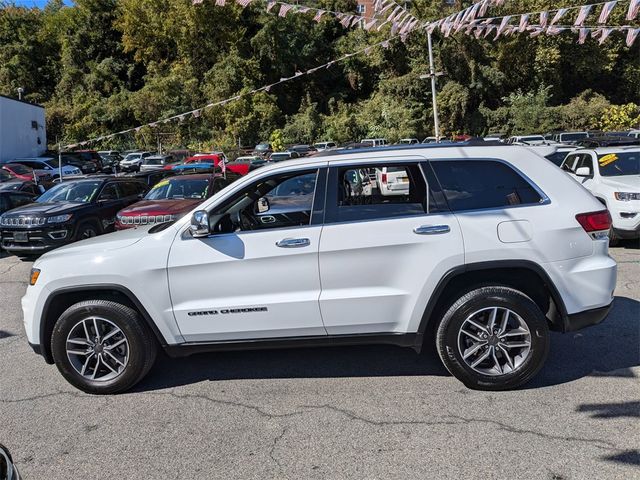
<point x="34" y="3"/>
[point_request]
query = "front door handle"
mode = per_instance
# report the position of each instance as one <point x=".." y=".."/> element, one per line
<point x="431" y="229"/>
<point x="293" y="243"/>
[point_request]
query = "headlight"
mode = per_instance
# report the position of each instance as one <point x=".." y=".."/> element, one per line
<point x="627" y="196"/>
<point x="59" y="218"/>
<point x="33" y="277"/>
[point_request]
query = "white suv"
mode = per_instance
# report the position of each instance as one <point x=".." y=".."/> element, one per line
<point x="479" y="257"/>
<point x="612" y="175"/>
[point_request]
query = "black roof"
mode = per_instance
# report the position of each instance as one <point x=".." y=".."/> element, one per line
<point x="608" y="141"/>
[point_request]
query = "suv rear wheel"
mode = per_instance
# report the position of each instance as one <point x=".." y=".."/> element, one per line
<point x="493" y="338"/>
<point x="102" y="347"/>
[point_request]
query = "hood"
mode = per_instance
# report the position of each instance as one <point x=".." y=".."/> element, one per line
<point x="160" y="207"/>
<point x="101" y="243"/>
<point x="625" y="183"/>
<point x="46" y="209"/>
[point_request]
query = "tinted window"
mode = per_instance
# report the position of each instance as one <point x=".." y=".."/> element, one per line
<point x="110" y="192"/>
<point x="130" y="189"/>
<point x="473" y="185"/>
<point x="376" y="192"/>
<point x="17" y="199"/>
<point x="622" y="163"/>
<point x="556" y="158"/>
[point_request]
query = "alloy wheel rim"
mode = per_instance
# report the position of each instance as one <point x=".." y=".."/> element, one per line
<point x="97" y="349"/>
<point x="494" y="341"/>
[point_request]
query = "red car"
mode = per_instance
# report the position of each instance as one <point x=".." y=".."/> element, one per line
<point x="237" y="168"/>
<point x="171" y="198"/>
<point x="24" y="173"/>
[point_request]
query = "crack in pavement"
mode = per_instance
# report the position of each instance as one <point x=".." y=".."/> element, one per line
<point x="275" y="444"/>
<point x="603" y="444"/>
<point x="11" y="267"/>
<point x="232" y="403"/>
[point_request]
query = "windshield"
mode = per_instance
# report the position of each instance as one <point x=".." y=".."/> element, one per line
<point x="152" y="161"/>
<point x="276" y="157"/>
<point x="177" y="188"/>
<point x="262" y="146"/>
<point x="20" y="169"/>
<point x="10" y="185"/>
<point x="79" y="192"/>
<point x="52" y="163"/>
<point x="133" y="156"/>
<point x="573" y="136"/>
<point x="557" y="157"/>
<point x="4" y="175"/>
<point x="619" y="164"/>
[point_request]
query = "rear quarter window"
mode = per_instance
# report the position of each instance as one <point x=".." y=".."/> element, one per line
<point x="483" y="184"/>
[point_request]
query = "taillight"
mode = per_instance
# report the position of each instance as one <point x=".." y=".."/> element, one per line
<point x="384" y="178"/>
<point x="594" y="221"/>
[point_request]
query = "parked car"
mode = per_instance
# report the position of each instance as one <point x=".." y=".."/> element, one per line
<point x="280" y="156"/>
<point x="213" y="160"/>
<point x="408" y="141"/>
<point x="262" y="149"/>
<point x="302" y="150"/>
<point x="90" y="156"/>
<point x="612" y="175"/>
<point x="8" y="469"/>
<point x="321" y="146"/>
<point x="25" y="186"/>
<point x="111" y="163"/>
<point x="555" y="153"/>
<point x="172" y="198"/>
<point x="10" y="199"/>
<point x="487" y="251"/>
<point x="72" y="210"/>
<point x="392" y="181"/>
<point x="157" y="162"/>
<point x="150" y="177"/>
<point x="47" y="166"/>
<point x="85" y="166"/>
<point x="374" y="142"/>
<point x="253" y="161"/>
<point x="526" y="140"/>
<point x="22" y="172"/>
<point x="108" y="153"/>
<point x="133" y="160"/>
<point x="6" y="175"/>
<point x="569" y="137"/>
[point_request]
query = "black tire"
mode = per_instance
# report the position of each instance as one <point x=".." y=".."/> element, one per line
<point x="86" y="230"/>
<point x="614" y="240"/>
<point x="474" y="301"/>
<point x="141" y="343"/>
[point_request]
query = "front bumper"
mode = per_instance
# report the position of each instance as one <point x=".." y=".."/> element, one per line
<point x="627" y="234"/>
<point x="580" y="320"/>
<point x="39" y="240"/>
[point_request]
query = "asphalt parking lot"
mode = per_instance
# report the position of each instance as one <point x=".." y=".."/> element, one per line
<point x="349" y="412"/>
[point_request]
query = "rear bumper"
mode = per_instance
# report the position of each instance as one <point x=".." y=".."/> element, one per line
<point x="580" y="320"/>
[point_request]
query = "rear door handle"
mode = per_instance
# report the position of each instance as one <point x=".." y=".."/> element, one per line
<point x="293" y="243"/>
<point x="431" y="229"/>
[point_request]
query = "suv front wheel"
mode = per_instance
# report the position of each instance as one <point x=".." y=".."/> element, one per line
<point x="102" y="347"/>
<point x="493" y="338"/>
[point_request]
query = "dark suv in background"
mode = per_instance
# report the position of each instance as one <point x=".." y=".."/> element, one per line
<point x="70" y="211"/>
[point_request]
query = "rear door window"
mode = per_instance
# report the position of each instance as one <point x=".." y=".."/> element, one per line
<point x="483" y="184"/>
<point x="378" y="191"/>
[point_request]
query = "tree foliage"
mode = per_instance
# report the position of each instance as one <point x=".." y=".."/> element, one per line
<point x="101" y="66"/>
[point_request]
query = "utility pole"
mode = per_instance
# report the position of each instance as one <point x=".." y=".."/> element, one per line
<point x="59" y="161"/>
<point x="432" y="75"/>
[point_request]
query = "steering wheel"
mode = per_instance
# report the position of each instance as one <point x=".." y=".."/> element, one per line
<point x="244" y="220"/>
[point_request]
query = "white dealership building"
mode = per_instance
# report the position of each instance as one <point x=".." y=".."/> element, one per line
<point x="23" y="132"/>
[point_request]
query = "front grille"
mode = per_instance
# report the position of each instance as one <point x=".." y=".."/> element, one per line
<point x="145" y="219"/>
<point x="22" y="221"/>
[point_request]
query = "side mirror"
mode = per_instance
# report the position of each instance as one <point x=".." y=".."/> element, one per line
<point x="583" y="172"/>
<point x="199" y="224"/>
<point x="8" y="470"/>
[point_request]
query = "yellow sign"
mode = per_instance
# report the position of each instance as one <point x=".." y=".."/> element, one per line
<point x="160" y="184"/>
<point x="607" y="159"/>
